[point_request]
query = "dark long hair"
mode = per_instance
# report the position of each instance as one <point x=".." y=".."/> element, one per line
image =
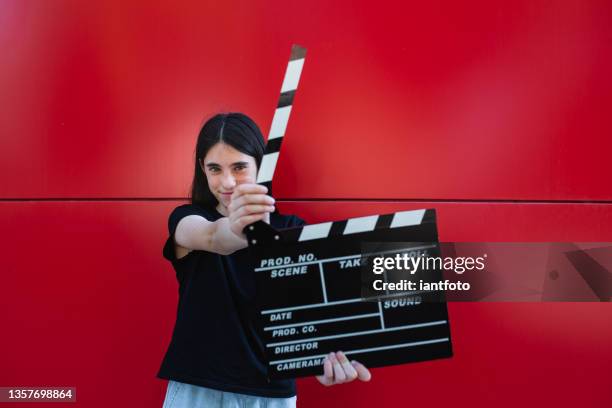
<point x="234" y="129"/>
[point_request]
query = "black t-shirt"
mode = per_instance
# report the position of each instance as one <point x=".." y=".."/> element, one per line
<point x="215" y="343"/>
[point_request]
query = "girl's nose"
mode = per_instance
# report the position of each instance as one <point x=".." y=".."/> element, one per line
<point x="228" y="182"/>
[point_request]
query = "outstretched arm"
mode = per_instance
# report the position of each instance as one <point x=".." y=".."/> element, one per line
<point x="224" y="236"/>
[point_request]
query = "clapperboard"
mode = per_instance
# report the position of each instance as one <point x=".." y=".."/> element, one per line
<point x="309" y="281"/>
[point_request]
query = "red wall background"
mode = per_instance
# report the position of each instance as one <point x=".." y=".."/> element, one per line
<point x="497" y="114"/>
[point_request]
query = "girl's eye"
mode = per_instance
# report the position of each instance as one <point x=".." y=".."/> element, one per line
<point x="239" y="168"/>
<point x="213" y="169"/>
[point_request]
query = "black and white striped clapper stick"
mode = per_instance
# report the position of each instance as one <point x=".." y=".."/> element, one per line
<point x="281" y="115"/>
<point x="279" y="122"/>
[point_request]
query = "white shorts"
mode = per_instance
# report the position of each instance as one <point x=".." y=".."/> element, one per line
<point x="181" y="395"/>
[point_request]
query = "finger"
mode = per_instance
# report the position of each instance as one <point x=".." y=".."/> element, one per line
<point x="362" y="371"/>
<point x="252" y="209"/>
<point x="244" y="212"/>
<point x="266" y="218"/>
<point x="348" y="368"/>
<point x="249" y="199"/>
<point x="323" y="381"/>
<point x="339" y="376"/>
<point x="327" y="378"/>
<point x="328" y="370"/>
<point x="243" y="201"/>
<point x="250" y="188"/>
<point x="250" y="219"/>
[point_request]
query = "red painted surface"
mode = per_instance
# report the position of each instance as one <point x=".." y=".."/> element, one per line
<point x="476" y="100"/>
<point x="464" y="103"/>
<point x="88" y="301"/>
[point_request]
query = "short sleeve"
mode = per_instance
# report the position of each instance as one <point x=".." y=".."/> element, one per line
<point x="287" y="221"/>
<point x="295" y="221"/>
<point x="175" y="216"/>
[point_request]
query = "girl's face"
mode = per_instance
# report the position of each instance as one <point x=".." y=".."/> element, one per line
<point x="225" y="168"/>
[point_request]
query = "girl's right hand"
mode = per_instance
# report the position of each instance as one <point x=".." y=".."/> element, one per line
<point x="249" y="204"/>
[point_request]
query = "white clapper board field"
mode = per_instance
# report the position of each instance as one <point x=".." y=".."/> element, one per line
<point x="310" y="297"/>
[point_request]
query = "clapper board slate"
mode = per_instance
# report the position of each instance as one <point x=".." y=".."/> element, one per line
<point x="309" y="295"/>
<point x="309" y="281"/>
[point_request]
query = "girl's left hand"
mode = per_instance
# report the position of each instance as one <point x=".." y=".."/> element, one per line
<point x="338" y="370"/>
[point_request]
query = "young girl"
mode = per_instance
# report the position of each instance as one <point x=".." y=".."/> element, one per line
<point x="215" y="357"/>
